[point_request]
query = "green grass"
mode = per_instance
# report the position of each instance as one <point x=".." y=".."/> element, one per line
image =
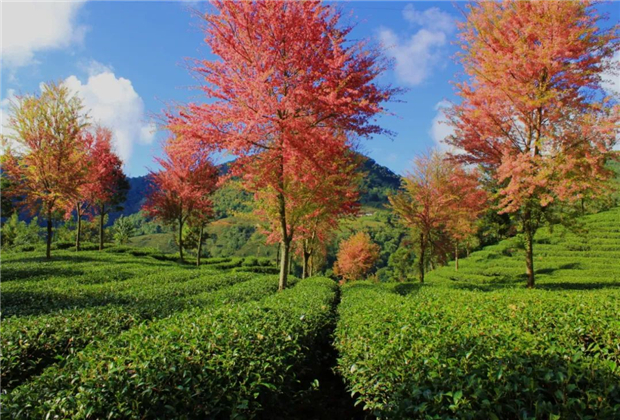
<point x="477" y="344"/>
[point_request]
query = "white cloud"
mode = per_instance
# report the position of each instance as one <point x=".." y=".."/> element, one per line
<point x="440" y="130"/>
<point x="611" y="80"/>
<point x="418" y="55"/>
<point x="113" y="102"/>
<point x="29" y="27"/>
<point x="4" y="116"/>
<point x="432" y="18"/>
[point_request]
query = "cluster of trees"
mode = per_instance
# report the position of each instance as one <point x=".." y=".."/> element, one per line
<point x="180" y="192"/>
<point x="289" y="94"/>
<point x="533" y="114"/>
<point x="56" y="164"/>
<point x="533" y="119"/>
<point x="286" y="98"/>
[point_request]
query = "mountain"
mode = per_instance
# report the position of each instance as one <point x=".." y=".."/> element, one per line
<point x="377" y="183"/>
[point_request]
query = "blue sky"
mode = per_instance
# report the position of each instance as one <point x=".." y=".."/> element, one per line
<point x="126" y="60"/>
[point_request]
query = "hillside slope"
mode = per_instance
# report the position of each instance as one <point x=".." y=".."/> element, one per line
<point x="562" y="259"/>
<point x="478" y="344"/>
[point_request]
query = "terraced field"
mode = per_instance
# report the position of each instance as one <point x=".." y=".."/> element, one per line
<point x="477" y="344"/>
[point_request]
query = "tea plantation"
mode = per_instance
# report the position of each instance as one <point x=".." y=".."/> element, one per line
<point x="129" y="333"/>
<point x="477" y="344"/>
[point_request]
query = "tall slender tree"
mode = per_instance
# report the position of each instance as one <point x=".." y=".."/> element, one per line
<point x="182" y="188"/>
<point x="468" y="203"/>
<point x="285" y="82"/>
<point x="108" y="185"/>
<point x="46" y="159"/>
<point x="532" y="109"/>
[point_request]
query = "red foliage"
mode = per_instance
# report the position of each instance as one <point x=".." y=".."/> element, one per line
<point x="533" y="112"/>
<point x="356" y="257"/>
<point x="106" y="170"/>
<point x="182" y="188"/>
<point x="440" y="202"/>
<point x="286" y="87"/>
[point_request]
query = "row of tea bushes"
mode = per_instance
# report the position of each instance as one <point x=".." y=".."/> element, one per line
<point x="220" y="363"/>
<point x="31" y="343"/>
<point x="21" y="298"/>
<point x="444" y="353"/>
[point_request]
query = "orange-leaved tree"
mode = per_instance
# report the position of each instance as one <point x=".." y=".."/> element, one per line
<point x="285" y="82"/>
<point x="469" y="201"/>
<point x="440" y="202"/>
<point x="533" y="112"/>
<point x="356" y="256"/>
<point x="46" y="153"/>
<point x="181" y="190"/>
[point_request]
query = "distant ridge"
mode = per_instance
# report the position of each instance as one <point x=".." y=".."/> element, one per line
<point x="376" y="185"/>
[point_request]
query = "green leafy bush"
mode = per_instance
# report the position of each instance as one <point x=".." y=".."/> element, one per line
<point x="512" y="353"/>
<point x="226" y="363"/>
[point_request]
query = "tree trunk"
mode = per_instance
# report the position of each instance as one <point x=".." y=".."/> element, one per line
<point x="456" y="256"/>
<point x="421" y="257"/>
<point x="529" y="260"/>
<point x="78" y="229"/>
<point x="278" y="255"/>
<point x="284" y="261"/>
<point x="199" y="246"/>
<point x="290" y="260"/>
<point x="583" y="207"/>
<point x="306" y="267"/>
<point x="181" y="240"/>
<point x="48" y="249"/>
<point x="286" y="240"/>
<point x="101" y="215"/>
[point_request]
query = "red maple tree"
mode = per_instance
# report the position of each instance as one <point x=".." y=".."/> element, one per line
<point x="285" y="83"/>
<point x="468" y="202"/>
<point x="181" y="190"/>
<point x="440" y="202"/>
<point x="533" y="112"/>
<point x="105" y="185"/>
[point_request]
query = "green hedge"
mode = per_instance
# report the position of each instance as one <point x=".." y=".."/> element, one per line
<point x="226" y="363"/>
<point x="257" y="269"/>
<point x="31" y="343"/>
<point x="442" y="353"/>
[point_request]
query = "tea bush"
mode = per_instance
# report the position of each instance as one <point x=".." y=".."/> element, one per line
<point x="474" y="343"/>
<point x="31" y="343"/>
<point x="227" y="362"/>
<point x="443" y="353"/>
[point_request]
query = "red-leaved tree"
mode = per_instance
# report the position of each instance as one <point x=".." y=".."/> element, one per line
<point x="105" y="186"/>
<point x="286" y="82"/>
<point x="46" y="157"/>
<point x="313" y="204"/>
<point x="532" y="111"/>
<point x="440" y="202"/>
<point x="182" y="189"/>
<point x="357" y="255"/>
<point x="468" y="203"/>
